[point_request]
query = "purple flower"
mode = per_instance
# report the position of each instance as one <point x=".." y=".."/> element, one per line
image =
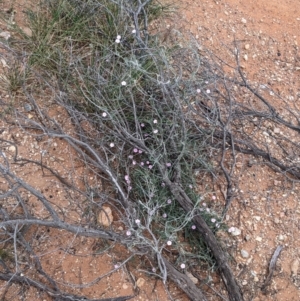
<point x="193" y="227"/>
<point x="169" y="201"/>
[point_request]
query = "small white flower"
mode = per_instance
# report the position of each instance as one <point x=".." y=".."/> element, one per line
<point x="123" y="83"/>
<point x="133" y="162"/>
<point x="137" y="221"/>
<point x="112" y="144"/>
<point x="117" y="41"/>
<point x="169" y="243"/>
<point x="155" y="131"/>
<point x="116" y="266"/>
<point x="118" y="37"/>
<point x="198" y="91"/>
<point x="182" y="265"/>
<point x="104" y="114"/>
<point x="213" y="220"/>
<point x="133" y="31"/>
<point x="165" y="215"/>
<point x="153" y="270"/>
<point x="128" y="233"/>
<point x="207" y="91"/>
<point x="193" y="227"/>
<point x="169" y="201"/>
<point x="154" y="121"/>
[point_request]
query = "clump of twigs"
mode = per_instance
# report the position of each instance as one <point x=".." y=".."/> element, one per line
<point x="144" y="120"/>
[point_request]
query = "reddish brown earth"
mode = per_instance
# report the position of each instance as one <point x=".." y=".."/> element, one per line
<point x="266" y="209"/>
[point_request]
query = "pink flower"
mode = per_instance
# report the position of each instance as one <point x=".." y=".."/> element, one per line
<point x="142" y="163"/>
<point x="142" y="125"/>
<point x="126" y="177"/>
<point x="182" y="266"/>
<point x="135" y="150"/>
<point x="150" y="166"/>
<point x="130" y="157"/>
<point x="213" y="220"/>
<point x="193" y="227"/>
<point x="169" y="243"/>
<point x="164" y="215"/>
<point x="168" y="164"/>
<point x="137" y="221"/>
<point x="140" y="151"/>
<point x="133" y="162"/>
<point x="213" y="197"/>
<point x="169" y="201"/>
<point x="128" y="233"/>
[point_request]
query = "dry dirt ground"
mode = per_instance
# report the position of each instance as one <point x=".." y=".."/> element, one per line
<point x="266" y="207"/>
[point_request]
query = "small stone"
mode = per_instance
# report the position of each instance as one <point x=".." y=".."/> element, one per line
<point x="244" y="254"/>
<point x="247" y="46"/>
<point x="247" y="237"/>
<point x="256" y="279"/>
<point x="258" y="218"/>
<point x="244" y="282"/>
<point x="5" y="35"/>
<point x="105" y="217"/>
<point x="246" y="57"/>
<point x="125" y="286"/>
<point x="258" y="238"/>
<point x="27" y="31"/>
<point x="281" y="237"/>
<point x="140" y="282"/>
<point x="244" y="20"/>
<point x="236" y="232"/>
<point x="276" y="220"/>
<point x="295" y="267"/>
<point x="12" y="148"/>
<point x="276" y="130"/>
<point x="194" y="279"/>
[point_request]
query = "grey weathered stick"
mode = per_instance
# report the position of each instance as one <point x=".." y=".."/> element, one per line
<point x="272" y="266"/>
